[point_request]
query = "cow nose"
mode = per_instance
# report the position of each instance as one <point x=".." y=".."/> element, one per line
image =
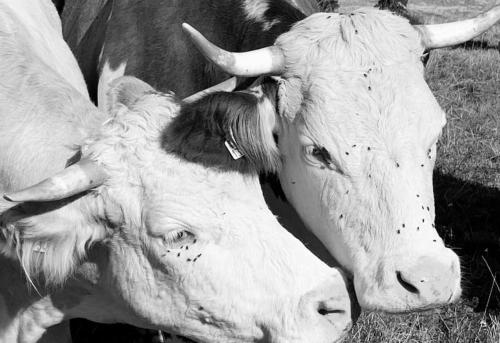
<point x="431" y="280"/>
<point x="329" y="306"/>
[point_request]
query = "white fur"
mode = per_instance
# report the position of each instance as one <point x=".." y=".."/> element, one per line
<point x="247" y="261"/>
<point x="39" y="25"/>
<point x="28" y="325"/>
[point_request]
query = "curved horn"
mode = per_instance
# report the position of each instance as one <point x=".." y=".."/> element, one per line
<point x="443" y="35"/>
<point x="265" y="61"/>
<point x="75" y="179"/>
<point x="225" y="86"/>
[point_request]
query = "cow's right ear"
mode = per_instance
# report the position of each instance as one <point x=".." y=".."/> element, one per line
<point x="125" y="91"/>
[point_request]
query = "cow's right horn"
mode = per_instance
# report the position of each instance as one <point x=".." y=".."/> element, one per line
<point x="79" y="177"/>
<point x="265" y="61"/>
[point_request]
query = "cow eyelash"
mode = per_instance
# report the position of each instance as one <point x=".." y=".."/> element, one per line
<point x="177" y="236"/>
<point x="321" y="154"/>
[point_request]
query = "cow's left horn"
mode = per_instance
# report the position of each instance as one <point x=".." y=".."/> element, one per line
<point x="265" y="61"/>
<point x="75" y="179"/>
<point x="443" y="35"/>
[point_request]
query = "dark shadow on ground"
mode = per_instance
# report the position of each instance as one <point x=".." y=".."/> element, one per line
<point x="468" y="219"/>
<point x="84" y="331"/>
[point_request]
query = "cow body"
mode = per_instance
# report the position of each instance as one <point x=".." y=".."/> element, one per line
<point x="160" y="243"/>
<point x="349" y="105"/>
<point x="157" y="47"/>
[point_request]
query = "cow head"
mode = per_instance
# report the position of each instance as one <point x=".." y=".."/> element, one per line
<point x="357" y="127"/>
<point x="176" y="245"/>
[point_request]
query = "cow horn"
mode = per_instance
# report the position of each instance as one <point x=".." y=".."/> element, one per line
<point x="265" y="61"/>
<point x="75" y="179"/>
<point x="225" y="86"/>
<point x="443" y="35"/>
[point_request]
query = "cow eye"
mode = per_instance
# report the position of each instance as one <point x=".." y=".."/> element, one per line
<point x="177" y="237"/>
<point x="425" y="57"/>
<point x="319" y="156"/>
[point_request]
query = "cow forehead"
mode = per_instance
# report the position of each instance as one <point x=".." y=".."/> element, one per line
<point x="390" y="106"/>
<point x="361" y="80"/>
<point x="189" y="194"/>
<point x="363" y="38"/>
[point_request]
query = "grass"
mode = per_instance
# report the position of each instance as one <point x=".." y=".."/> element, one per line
<point x="466" y="82"/>
<point x="457" y="323"/>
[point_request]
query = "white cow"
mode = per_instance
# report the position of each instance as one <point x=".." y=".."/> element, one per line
<point x="356" y="127"/>
<point x="131" y="233"/>
<point x="347" y="120"/>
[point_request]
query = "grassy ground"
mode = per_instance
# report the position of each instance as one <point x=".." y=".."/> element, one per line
<point x="466" y="82"/>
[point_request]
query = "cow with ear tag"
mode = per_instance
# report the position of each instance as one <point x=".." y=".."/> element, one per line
<point x="356" y="129"/>
<point x="355" y="123"/>
<point x="138" y="231"/>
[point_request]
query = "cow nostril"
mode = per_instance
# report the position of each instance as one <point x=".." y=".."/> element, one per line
<point x="325" y="309"/>
<point x="406" y="285"/>
<point x="325" y="312"/>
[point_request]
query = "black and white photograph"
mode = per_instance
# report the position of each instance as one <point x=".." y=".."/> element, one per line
<point x="249" y="171"/>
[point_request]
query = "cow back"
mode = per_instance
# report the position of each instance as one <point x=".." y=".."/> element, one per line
<point x="147" y="40"/>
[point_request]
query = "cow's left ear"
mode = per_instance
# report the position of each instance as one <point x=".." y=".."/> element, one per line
<point x="228" y="130"/>
<point x="125" y="91"/>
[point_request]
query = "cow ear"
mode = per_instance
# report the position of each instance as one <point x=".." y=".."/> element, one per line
<point x="226" y="130"/>
<point x="49" y="240"/>
<point x="125" y="91"/>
